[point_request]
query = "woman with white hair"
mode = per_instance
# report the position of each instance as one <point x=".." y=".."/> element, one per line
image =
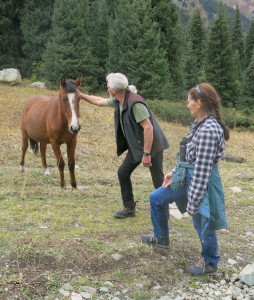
<point x="137" y="131"/>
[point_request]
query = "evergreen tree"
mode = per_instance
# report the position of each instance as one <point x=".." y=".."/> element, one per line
<point x="195" y="50"/>
<point x="249" y="79"/>
<point x="134" y="43"/>
<point x="98" y="29"/>
<point x="68" y="53"/>
<point x="238" y="43"/>
<point x="249" y="44"/>
<point x="35" y="26"/>
<point x="191" y="67"/>
<point x="165" y="14"/>
<point x="220" y="64"/>
<point x="10" y="45"/>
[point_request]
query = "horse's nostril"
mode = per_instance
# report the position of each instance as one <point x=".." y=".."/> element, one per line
<point x="75" y="129"/>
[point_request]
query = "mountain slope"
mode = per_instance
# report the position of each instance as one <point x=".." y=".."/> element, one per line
<point x="209" y="10"/>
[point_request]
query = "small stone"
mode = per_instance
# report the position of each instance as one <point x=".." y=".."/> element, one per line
<point x="86" y="295"/>
<point x="116" y="256"/>
<point x="67" y="287"/>
<point x="104" y="289"/>
<point x="64" y="293"/>
<point x="76" y="296"/>
<point x="232" y="261"/>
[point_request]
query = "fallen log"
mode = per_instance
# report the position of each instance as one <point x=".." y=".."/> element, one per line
<point x="233" y="158"/>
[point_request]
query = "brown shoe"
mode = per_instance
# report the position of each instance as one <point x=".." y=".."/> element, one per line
<point x="126" y="212"/>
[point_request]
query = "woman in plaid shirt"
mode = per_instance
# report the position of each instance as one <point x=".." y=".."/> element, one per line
<point x="203" y="191"/>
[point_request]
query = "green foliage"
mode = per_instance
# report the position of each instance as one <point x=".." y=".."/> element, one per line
<point x="249" y="44"/>
<point x="178" y="112"/>
<point x="249" y="79"/>
<point x="68" y="53"/>
<point x="195" y="50"/>
<point x="10" y="54"/>
<point x="220" y="64"/>
<point x="35" y="26"/>
<point x="98" y="23"/>
<point x="164" y="13"/>
<point x="134" y="43"/>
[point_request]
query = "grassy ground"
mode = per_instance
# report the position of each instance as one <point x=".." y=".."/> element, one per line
<point x="49" y="236"/>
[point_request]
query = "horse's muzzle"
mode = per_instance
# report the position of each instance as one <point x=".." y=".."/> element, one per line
<point x="74" y="130"/>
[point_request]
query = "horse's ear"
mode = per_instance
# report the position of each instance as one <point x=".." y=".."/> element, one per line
<point x="63" y="81"/>
<point x="78" y="81"/>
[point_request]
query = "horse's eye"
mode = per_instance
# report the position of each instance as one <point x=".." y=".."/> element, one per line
<point x="65" y="99"/>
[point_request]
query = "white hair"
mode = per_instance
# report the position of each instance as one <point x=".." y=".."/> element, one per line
<point x="120" y="82"/>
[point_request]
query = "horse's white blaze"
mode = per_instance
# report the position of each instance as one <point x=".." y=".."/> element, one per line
<point x="74" y="118"/>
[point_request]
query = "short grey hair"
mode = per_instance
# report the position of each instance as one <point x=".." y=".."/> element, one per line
<point x="120" y="82"/>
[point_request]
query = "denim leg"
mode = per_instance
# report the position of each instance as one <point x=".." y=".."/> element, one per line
<point x="209" y="244"/>
<point x="158" y="203"/>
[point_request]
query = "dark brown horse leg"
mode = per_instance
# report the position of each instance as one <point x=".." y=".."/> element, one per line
<point x="23" y="151"/>
<point x="43" y="148"/>
<point x="71" y="161"/>
<point x="60" y="161"/>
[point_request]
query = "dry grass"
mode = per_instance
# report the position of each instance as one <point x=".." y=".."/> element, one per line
<point x="49" y="236"/>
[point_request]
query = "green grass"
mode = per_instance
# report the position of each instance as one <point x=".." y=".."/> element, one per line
<point x="45" y="231"/>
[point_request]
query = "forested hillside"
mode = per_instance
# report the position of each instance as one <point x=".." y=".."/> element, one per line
<point x="145" y="39"/>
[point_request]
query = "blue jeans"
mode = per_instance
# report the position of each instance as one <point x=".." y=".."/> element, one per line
<point x="159" y="199"/>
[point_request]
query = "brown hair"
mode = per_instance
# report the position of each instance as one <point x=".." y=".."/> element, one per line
<point x="211" y="100"/>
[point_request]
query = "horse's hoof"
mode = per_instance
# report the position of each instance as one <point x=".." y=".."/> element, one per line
<point x="21" y="169"/>
<point x="46" y="172"/>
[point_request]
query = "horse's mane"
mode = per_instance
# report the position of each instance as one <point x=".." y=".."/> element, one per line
<point x="70" y="86"/>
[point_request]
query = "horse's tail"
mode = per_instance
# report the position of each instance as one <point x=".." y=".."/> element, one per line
<point x="34" y="145"/>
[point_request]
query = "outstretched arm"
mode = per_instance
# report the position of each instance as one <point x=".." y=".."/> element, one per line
<point x="99" y="101"/>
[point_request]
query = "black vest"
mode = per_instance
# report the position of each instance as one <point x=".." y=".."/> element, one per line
<point x="133" y="137"/>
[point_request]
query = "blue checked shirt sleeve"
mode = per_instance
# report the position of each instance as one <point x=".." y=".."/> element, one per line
<point x="206" y="143"/>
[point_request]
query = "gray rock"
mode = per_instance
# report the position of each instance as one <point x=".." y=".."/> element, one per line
<point x="67" y="287"/>
<point x="10" y="75"/>
<point x="247" y="274"/>
<point x="39" y="84"/>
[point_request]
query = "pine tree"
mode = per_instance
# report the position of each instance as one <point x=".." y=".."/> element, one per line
<point x="165" y="14"/>
<point x="134" y="43"/>
<point x="249" y="79"/>
<point x="35" y="26"/>
<point x="220" y="64"/>
<point x="68" y="52"/>
<point x="238" y="43"/>
<point x="249" y="44"/>
<point x="98" y="31"/>
<point x="10" y="45"/>
<point x="195" y="50"/>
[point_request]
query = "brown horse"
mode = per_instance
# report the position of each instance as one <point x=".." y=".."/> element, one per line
<point x="53" y="120"/>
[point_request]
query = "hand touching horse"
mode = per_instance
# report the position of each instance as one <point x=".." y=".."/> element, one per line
<point x="53" y="120"/>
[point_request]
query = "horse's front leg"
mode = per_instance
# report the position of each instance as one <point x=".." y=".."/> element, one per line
<point x="43" y="148"/>
<point x="60" y="161"/>
<point x="71" y="146"/>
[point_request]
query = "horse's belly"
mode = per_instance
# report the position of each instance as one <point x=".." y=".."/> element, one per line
<point x="35" y="126"/>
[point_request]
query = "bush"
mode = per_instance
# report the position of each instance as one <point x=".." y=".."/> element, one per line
<point x="178" y="112"/>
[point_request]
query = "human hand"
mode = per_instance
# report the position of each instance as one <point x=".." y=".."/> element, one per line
<point x="146" y="161"/>
<point x="167" y="180"/>
<point x="191" y="213"/>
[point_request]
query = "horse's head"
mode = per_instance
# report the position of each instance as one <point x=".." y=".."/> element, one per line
<point x="70" y="97"/>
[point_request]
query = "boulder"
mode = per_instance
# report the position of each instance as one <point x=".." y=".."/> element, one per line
<point x="10" y="75"/>
<point x="247" y="274"/>
<point x="39" y="84"/>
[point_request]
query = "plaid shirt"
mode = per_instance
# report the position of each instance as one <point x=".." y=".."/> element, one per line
<point x="206" y="146"/>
